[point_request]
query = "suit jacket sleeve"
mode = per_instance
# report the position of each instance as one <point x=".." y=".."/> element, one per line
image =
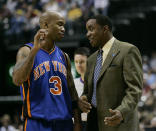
<point x="133" y="77"/>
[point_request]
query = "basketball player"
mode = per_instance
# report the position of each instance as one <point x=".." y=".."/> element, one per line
<point x="47" y="88"/>
<point x="80" y="60"/>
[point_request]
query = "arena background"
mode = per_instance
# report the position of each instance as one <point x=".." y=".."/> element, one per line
<point x="133" y="20"/>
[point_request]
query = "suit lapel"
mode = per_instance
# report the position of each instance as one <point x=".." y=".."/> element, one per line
<point x="114" y="51"/>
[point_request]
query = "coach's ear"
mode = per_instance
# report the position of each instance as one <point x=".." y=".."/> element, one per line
<point x="105" y="29"/>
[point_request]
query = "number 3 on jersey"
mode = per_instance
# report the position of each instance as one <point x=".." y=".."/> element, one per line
<point x="57" y="90"/>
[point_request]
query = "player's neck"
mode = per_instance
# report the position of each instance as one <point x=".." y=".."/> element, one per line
<point x="49" y="47"/>
<point x="82" y="77"/>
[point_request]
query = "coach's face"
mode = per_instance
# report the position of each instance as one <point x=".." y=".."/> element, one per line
<point x="94" y="33"/>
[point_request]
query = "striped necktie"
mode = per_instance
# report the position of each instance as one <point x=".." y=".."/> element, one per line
<point x="96" y="75"/>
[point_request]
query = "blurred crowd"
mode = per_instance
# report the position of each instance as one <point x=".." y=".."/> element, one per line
<point x="19" y="18"/>
<point x="147" y="104"/>
<point x="10" y="124"/>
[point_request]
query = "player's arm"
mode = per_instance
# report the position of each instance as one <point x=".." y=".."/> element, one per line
<point x="25" y="58"/>
<point x="24" y="62"/>
<point x="74" y="96"/>
<point x="70" y="81"/>
<point x="83" y="103"/>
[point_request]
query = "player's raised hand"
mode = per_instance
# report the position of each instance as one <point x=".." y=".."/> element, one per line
<point x="84" y="105"/>
<point x="115" y="119"/>
<point x="40" y="38"/>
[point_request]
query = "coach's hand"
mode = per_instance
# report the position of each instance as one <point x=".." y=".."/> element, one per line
<point x="115" y="119"/>
<point x="40" y="38"/>
<point x="83" y="104"/>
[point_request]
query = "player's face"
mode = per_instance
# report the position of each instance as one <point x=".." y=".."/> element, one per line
<point x="80" y="63"/>
<point x="56" y="28"/>
<point x="94" y="33"/>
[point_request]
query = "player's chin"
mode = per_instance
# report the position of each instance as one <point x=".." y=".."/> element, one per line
<point x="59" y="38"/>
<point x="61" y="35"/>
<point x="80" y="71"/>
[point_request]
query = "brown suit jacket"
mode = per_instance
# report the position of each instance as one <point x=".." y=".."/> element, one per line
<point x="119" y="85"/>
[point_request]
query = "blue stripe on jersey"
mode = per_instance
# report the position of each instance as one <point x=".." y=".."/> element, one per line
<point x="49" y="95"/>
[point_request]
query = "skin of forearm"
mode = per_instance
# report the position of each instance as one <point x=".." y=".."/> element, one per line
<point x="72" y="89"/>
<point x="22" y="70"/>
<point x="77" y="116"/>
<point x="74" y="95"/>
<point x="70" y="82"/>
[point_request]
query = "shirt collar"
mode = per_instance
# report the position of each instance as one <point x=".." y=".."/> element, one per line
<point x="109" y="44"/>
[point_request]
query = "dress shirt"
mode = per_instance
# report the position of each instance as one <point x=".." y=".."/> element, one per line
<point x="106" y="48"/>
